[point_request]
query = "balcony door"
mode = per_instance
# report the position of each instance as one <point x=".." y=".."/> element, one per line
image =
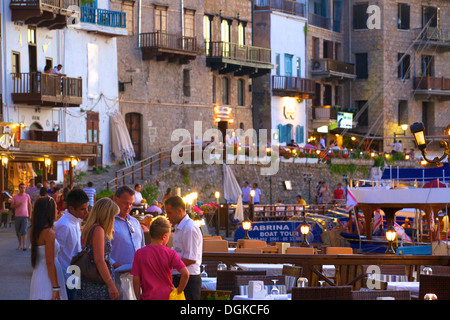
<point x="32" y="60"/>
<point x="428" y="66"/>
<point x="93" y="132"/>
<point x="430" y="13"/>
<point x="225" y="37"/>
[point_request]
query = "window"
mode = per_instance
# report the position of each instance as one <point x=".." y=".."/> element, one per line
<point x="16" y="63"/>
<point x="427" y="66"/>
<point x="129" y="11"/>
<point x="277" y="64"/>
<point x="328" y="48"/>
<point x="187" y="82"/>
<point x="241" y="34"/>
<point x="298" y="66"/>
<point x="189" y="23"/>
<point x="361" y="64"/>
<point x="225" y="93"/>
<point x="402" y="112"/>
<point x="403" y="66"/>
<point x="161" y="19"/>
<point x="241" y="87"/>
<point x="403" y="16"/>
<point x="31" y="35"/>
<point x="315" y="48"/>
<point x="225" y="31"/>
<point x="207" y="29"/>
<point x="327" y="98"/>
<point x="288" y="65"/>
<point x="363" y="117"/>
<point x="360" y="16"/>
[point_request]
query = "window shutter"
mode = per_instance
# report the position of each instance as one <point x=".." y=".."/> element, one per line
<point x="300" y="134"/>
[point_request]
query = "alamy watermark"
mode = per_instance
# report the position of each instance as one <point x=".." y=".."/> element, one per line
<point x="240" y="147"/>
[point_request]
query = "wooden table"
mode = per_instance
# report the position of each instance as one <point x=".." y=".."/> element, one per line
<point x="349" y="268"/>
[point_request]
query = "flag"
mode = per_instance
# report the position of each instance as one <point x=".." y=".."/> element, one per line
<point x="377" y="220"/>
<point x="351" y="200"/>
<point x="401" y="234"/>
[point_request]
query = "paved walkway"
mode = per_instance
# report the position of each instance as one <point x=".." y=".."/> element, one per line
<point x="15" y="267"/>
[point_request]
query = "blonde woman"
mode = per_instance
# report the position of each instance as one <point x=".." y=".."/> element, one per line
<point x="96" y="235"/>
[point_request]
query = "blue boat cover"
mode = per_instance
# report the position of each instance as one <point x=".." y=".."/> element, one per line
<point x="426" y="174"/>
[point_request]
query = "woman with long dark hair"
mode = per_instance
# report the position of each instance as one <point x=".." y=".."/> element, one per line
<point x="48" y="277"/>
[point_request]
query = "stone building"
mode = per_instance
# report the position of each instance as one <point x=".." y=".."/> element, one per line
<point x="403" y="68"/>
<point x="188" y="61"/>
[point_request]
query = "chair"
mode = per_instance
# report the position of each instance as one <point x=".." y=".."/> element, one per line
<point x="292" y="272"/>
<point x="226" y="279"/>
<point x="248" y="250"/>
<point x="242" y="283"/>
<point x="215" y="246"/>
<point x="374" y="294"/>
<point x="215" y="294"/>
<point x="300" y="250"/>
<point x="437" y="284"/>
<point x="387" y="274"/>
<point x="338" y="250"/>
<point x="209" y="237"/>
<point x="211" y="268"/>
<point x="249" y="243"/>
<point x="322" y="293"/>
<point x="269" y="249"/>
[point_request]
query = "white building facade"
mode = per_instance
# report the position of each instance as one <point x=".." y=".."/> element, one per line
<point x="74" y="108"/>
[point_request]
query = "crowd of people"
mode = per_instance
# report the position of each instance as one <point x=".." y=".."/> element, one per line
<point x="113" y="238"/>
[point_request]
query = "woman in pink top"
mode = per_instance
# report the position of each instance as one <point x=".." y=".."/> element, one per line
<point x="153" y="264"/>
<point x="21" y="203"/>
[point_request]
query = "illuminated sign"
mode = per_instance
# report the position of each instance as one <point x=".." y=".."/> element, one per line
<point x="345" y="120"/>
<point x="289" y="112"/>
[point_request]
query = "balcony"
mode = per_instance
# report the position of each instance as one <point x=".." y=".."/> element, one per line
<point x="286" y="6"/>
<point x="102" y="21"/>
<point x="433" y="37"/>
<point x="284" y="86"/>
<point x="227" y="57"/>
<point x="164" y="46"/>
<point x="432" y="88"/>
<point x="329" y="69"/>
<point x="40" y="89"/>
<point x="51" y="14"/>
<point x="319" y="21"/>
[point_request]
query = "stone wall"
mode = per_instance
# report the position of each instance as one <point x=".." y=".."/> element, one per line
<point x="206" y="179"/>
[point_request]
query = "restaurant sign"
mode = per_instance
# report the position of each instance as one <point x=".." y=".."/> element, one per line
<point x="279" y="231"/>
<point x="9" y="135"/>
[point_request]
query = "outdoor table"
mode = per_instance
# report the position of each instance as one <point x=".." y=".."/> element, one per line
<point x="268" y="297"/>
<point x="209" y="283"/>
<point x="412" y="286"/>
<point x="272" y="269"/>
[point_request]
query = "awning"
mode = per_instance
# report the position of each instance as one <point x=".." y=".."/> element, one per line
<point x="121" y="144"/>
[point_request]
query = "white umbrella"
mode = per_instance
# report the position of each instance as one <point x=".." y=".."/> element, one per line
<point x="231" y="188"/>
<point x="121" y="144"/>
<point x="239" y="212"/>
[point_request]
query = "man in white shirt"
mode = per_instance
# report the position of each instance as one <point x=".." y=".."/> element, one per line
<point x="257" y="197"/>
<point x="188" y="243"/>
<point x="68" y="232"/>
<point x="137" y="203"/>
<point x="246" y="193"/>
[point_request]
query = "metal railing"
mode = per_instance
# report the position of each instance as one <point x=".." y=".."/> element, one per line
<point x="162" y="40"/>
<point x="319" y="21"/>
<point x="286" y="6"/>
<point x="103" y="17"/>
<point x="294" y="84"/>
<point x="432" y="34"/>
<point x="234" y="51"/>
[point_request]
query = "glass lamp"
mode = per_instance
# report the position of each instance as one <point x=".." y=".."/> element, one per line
<point x="304" y="230"/>
<point x="418" y="131"/>
<point x="430" y="296"/>
<point x="391" y="234"/>
<point x="246" y="225"/>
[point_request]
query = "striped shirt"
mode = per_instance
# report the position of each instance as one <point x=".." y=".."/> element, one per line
<point x="91" y="192"/>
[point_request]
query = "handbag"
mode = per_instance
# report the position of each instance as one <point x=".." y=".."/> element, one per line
<point x="85" y="261"/>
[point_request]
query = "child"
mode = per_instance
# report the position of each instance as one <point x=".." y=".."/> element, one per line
<point x="153" y="264"/>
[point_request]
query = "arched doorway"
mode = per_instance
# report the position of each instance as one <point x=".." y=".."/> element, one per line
<point x="134" y="126"/>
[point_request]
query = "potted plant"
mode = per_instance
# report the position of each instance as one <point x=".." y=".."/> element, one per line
<point x="5" y="217"/>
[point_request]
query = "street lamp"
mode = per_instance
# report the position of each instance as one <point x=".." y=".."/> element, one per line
<point x="391" y="234"/>
<point x="304" y="230"/>
<point x="246" y="225"/>
<point x="404" y="127"/>
<point x="308" y="177"/>
<point x="418" y="130"/>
